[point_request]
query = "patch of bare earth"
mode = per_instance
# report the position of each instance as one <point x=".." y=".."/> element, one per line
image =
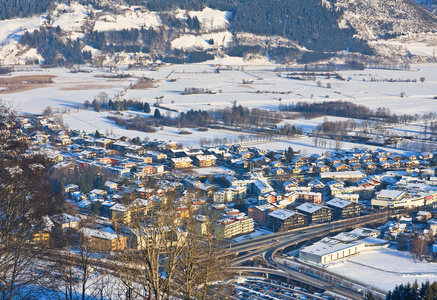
<point x="85" y="87"/>
<point x="24" y="83"/>
<point x="246" y="86"/>
<point x="145" y="85"/>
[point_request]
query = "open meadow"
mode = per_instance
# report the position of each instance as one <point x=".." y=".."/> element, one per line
<point x="219" y="84"/>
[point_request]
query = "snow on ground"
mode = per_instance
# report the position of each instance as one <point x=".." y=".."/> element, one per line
<point x="385" y="268"/>
<point x="71" y="18"/>
<point x="189" y="41"/>
<point x="15" y="54"/>
<point x="306" y="146"/>
<point x="68" y="91"/>
<point x="211" y="18"/>
<point x="127" y="20"/>
<point x="268" y="90"/>
<point x="213" y="171"/>
<point x="91" y="121"/>
<point x="12" y="30"/>
<point x="418" y="44"/>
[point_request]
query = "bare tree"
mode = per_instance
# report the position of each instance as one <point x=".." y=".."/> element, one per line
<point x="338" y="142"/>
<point x="73" y="265"/>
<point x="25" y="197"/>
<point x="48" y="111"/>
<point x="242" y="138"/>
<point x="202" y="142"/>
<point x="102" y="97"/>
<point x="419" y="245"/>
<point x="152" y="263"/>
<point x="202" y="264"/>
<point x="172" y="255"/>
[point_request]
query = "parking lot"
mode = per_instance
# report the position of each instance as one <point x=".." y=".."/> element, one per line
<point x="263" y="288"/>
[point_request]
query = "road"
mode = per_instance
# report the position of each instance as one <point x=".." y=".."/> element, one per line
<point x="282" y="240"/>
<point x="267" y="246"/>
<point x="309" y="280"/>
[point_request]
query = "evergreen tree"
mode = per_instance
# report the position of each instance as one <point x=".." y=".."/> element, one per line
<point x="413" y="291"/>
<point x="369" y="296"/>
<point x="196" y="23"/>
<point x="136" y="141"/>
<point x="97" y="134"/>
<point x="146" y="108"/>
<point x="157" y="114"/>
<point x="289" y="154"/>
<point x="99" y="182"/>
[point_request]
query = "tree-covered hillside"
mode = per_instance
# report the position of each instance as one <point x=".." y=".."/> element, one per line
<point x="313" y="24"/>
<point x="159" y="5"/>
<point x="22" y="8"/>
<point x="306" y="21"/>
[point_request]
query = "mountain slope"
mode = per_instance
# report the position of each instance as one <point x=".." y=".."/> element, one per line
<point x="22" y="8"/>
<point x="374" y="19"/>
<point x="138" y="31"/>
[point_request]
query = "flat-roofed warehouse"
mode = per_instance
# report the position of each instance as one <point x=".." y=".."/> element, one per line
<point x="343" y="245"/>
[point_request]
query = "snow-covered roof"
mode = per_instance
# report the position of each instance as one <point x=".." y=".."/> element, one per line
<point x="282" y="214"/>
<point x="309" y="207"/>
<point x="264" y="207"/>
<point x="181" y="159"/>
<point x="142" y="202"/>
<point x="206" y="157"/>
<point x="340" y="203"/>
<point x="118" y="207"/>
<point x="322" y="248"/>
<point x="65" y="218"/>
<point x="88" y="232"/>
<point x="365" y="232"/>
<point x="390" y="194"/>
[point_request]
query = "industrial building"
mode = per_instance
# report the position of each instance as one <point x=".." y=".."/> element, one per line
<point x="342" y="245"/>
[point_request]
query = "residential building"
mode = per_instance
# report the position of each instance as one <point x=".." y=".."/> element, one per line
<point x="259" y="213"/>
<point x="348" y="175"/>
<point x="181" y="162"/>
<point x="230" y="227"/>
<point x="343" y="209"/>
<point x="66" y="221"/>
<point x="311" y="197"/>
<point x="223" y="196"/>
<point x="205" y="160"/>
<point x="120" y="214"/>
<point x="99" y="240"/>
<point x="284" y="219"/>
<point x="315" y="212"/>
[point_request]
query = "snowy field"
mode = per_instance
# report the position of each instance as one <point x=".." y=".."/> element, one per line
<point x="268" y="90"/>
<point x="385" y="268"/>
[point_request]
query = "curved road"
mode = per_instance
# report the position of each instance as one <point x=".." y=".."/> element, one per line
<point x="269" y="245"/>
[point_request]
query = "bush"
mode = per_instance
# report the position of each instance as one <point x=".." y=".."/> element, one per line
<point x="185" y="132"/>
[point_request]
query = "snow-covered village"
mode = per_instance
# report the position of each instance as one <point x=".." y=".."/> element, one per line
<point x="218" y="149"/>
